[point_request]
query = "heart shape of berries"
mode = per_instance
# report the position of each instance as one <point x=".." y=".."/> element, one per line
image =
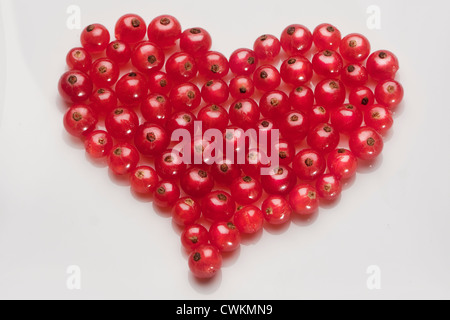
<point x="215" y="156"/>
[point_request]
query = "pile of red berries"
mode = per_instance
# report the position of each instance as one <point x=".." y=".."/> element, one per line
<point x="120" y="87"/>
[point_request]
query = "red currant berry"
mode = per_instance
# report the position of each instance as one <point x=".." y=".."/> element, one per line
<point x="354" y="75"/>
<point x="274" y="104"/>
<point x="143" y="180"/>
<point x="95" y="38"/>
<point x="196" y="182"/>
<point x="194" y="236"/>
<point x="309" y="164"/>
<point x="156" y="109"/>
<point x="166" y="194"/>
<point x="342" y="163"/>
<point x="132" y="89"/>
<point x="242" y="87"/>
<point x="181" y="120"/>
<point x="296" y="39"/>
<point x="104" y="100"/>
<point x="243" y="62"/>
<point x="122" y="123"/>
<point x="151" y="139"/>
<point x="379" y="118"/>
<point x="366" y="143"/>
<point x="147" y="57"/>
<point x="235" y="139"/>
<point x="218" y="206"/>
<point x="213" y="65"/>
<point x="213" y="117"/>
<point x="281" y="181"/>
<point x="246" y="190"/>
<point x="346" y="118"/>
<point x="225" y="171"/>
<point x="294" y="126"/>
<point x="79" y="59"/>
<point x="186" y="211"/>
<point x="104" y="73"/>
<point x="244" y="113"/>
<point x="123" y="159"/>
<point x="80" y="120"/>
<point x="355" y="48"/>
<point x="266" y="78"/>
<point x="170" y="165"/>
<point x="302" y="98"/>
<point x="249" y="219"/>
<point x="389" y="93"/>
<point x="195" y="41"/>
<point x="276" y="210"/>
<point x="75" y="86"/>
<point x="185" y="96"/>
<point x="130" y="28"/>
<point x="323" y="138"/>
<point x="119" y="52"/>
<point x="255" y="160"/>
<point x="267" y="47"/>
<point x="215" y="91"/>
<point x="317" y="115"/>
<point x="164" y="30"/>
<point x="330" y="93"/>
<point x="327" y="64"/>
<point x="98" y="144"/>
<point x="304" y="200"/>
<point x="225" y="236"/>
<point x="382" y="65"/>
<point x="328" y="187"/>
<point x="326" y="37"/>
<point x="296" y="71"/>
<point x="159" y="82"/>
<point x="181" y="67"/>
<point x="201" y="152"/>
<point x="205" y="262"/>
<point x="266" y="127"/>
<point x="361" y="97"/>
<point x="285" y="151"/>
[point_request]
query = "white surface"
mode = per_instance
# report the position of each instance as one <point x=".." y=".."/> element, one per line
<point x="57" y="209"/>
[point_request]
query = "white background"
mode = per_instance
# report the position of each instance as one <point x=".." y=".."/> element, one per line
<point x="58" y="209"/>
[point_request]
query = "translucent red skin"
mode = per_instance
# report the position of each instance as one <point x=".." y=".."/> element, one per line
<point x="195" y="43"/>
<point x="186" y="211"/>
<point x="342" y="163"/>
<point x="387" y="98"/>
<point x="96" y="40"/>
<point x="249" y="219"/>
<point x="362" y="97"/>
<point x="276" y="210"/>
<point x="159" y="82"/>
<point x="103" y="78"/>
<point x="213" y="59"/>
<point x="269" y="83"/>
<point x="124" y="163"/>
<point x="79" y="59"/>
<point x="379" y="118"/>
<point x="215" y="92"/>
<point x="359" y="143"/>
<point x="143" y="180"/>
<point x="217" y="210"/>
<point x="98" y="144"/>
<point x="327" y="64"/>
<point x="244" y="113"/>
<point x="78" y="92"/>
<point x="80" y="120"/>
<point x="196" y="182"/>
<point x="294" y="126"/>
<point x="122" y="123"/>
<point x="132" y="88"/>
<point x="314" y="168"/>
<point x="321" y="140"/>
<point x="156" y="109"/>
<point x="296" y="71"/>
<point x="359" y="52"/>
<point x="241" y="87"/>
<point x="304" y="200"/>
<point x="267" y="47"/>
<point x="181" y="120"/>
<point x="325" y="39"/>
<point x="225" y="236"/>
<point x="194" y="236"/>
<point x="181" y="67"/>
<point x="328" y="187"/>
<point x="170" y="195"/>
<point x="209" y="263"/>
<point x="356" y="78"/>
<point x="103" y="100"/>
<point x="213" y="116"/>
<point x="279" y="183"/>
<point x="277" y="110"/>
<point x="225" y="175"/>
<point x="181" y="101"/>
<point x="164" y="30"/>
<point x="317" y="115"/>
<point x="243" y="62"/>
<point x="140" y="57"/>
<point x="246" y="190"/>
<point x="170" y="170"/>
<point x="119" y="52"/>
<point x="147" y="147"/>
<point x="346" y="118"/>
<point x="302" y="98"/>
<point x="128" y="33"/>
<point x="330" y="93"/>
<point x="298" y="42"/>
<point x="285" y="150"/>
<point x="382" y="67"/>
